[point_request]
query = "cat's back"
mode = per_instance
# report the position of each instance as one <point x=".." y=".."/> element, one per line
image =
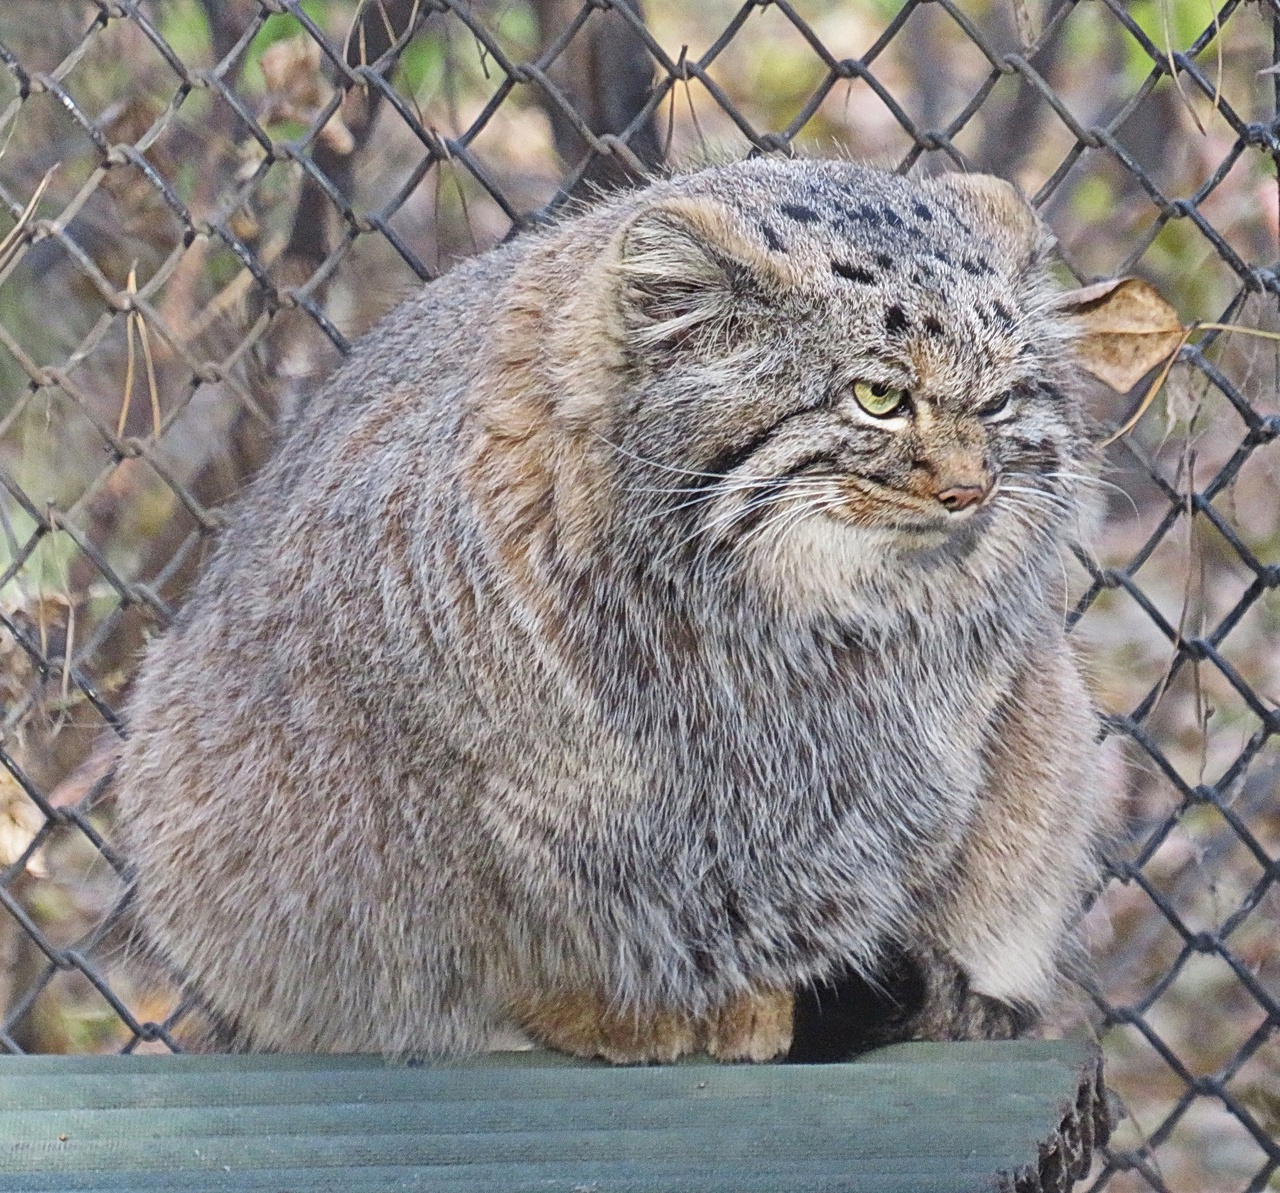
<point x="318" y="595"/>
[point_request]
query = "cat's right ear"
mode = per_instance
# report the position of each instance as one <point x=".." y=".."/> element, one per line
<point x="685" y="268"/>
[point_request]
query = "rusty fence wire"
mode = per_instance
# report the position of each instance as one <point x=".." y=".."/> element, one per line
<point x="206" y="201"/>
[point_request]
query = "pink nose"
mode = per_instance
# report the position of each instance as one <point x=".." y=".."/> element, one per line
<point x="961" y="497"/>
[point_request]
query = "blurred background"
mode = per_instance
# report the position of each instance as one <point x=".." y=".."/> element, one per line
<point x="203" y="202"/>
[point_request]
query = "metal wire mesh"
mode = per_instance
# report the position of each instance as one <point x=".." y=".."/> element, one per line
<point x="207" y="201"/>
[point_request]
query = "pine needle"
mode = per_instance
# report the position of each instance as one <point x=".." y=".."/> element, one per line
<point x="1150" y="396"/>
<point x="1244" y="331"/>
<point x="130" y="363"/>
<point x="10" y="244"/>
<point x="154" y="390"/>
<point x="67" y="652"/>
<point x="1173" y="72"/>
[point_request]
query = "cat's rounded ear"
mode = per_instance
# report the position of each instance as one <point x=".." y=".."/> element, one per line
<point x="1001" y="212"/>
<point x="684" y="265"/>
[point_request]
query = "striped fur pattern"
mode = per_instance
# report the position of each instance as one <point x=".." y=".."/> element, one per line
<point x="588" y="645"/>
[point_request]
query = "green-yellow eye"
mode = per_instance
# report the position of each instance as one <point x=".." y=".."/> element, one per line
<point x="880" y="401"/>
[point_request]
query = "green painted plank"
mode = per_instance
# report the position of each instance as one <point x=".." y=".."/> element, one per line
<point x="967" y="1052"/>
<point x="1001" y="1052"/>
<point x="880" y="1105"/>
<point x="809" y="1177"/>
<point x="193" y="1088"/>
<point x="918" y="1118"/>
<point x="844" y="1139"/>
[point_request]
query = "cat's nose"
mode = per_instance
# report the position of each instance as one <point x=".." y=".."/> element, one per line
<point x="961" y="497"/>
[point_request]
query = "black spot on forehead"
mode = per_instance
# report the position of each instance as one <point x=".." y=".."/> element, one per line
<point x="900" y="225"/>
<point x="772" y="239"/>
<point x="800" y="213"/>
<point x="932" y="326"/>
<point x="895" y="320"/>
<point x="853" y="273"/>
<point x="955" y="215"/>
<point x="859" y="213"/>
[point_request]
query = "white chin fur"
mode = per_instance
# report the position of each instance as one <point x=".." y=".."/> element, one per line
<point x="819" y="565"/>
<point x="876" y="576"/>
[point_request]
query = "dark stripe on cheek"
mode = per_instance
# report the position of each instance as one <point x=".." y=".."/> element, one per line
<point x="724" y="462"/>
<point x="1039" y="453"/>
<point x="853" y="273"/>
<point x="772" y="239"/>
<point x="816" y="456"/>
<point x="731" y="458"/>
<point x="800" y="213"/>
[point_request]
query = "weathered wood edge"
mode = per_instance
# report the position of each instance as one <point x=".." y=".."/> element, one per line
<point x="1067" y="1155"/>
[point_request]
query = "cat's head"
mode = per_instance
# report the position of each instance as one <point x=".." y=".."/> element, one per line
<point x="838" y="378"/>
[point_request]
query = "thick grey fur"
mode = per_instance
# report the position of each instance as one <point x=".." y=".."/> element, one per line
<point x="489" y="693"/>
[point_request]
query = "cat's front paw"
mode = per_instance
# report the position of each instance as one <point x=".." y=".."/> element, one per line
<point x="585" y="1024"/>
<point x="752" y="1027"/>
<point x="755" y="1027"/>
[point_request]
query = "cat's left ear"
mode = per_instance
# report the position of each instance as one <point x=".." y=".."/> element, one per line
<point x="685" y="266"/>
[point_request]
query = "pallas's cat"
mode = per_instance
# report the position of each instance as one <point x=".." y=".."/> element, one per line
<point x="656" y="616"/>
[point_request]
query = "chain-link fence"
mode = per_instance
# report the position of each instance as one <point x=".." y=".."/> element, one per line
<point x="208" y="199"/>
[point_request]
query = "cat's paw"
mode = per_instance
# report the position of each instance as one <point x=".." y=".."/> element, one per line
<point x="755" y="1027"/>
<point x="584" y="1024"/>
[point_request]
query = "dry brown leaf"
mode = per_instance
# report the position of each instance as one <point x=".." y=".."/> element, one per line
<point x="291" y="67"/>
<point x="1126" y="330"/>
<point x="1028" y="25"/>
<point x="297" y="88"/>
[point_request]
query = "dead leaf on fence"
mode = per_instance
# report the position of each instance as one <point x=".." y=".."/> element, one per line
<point x="1028" y="25"/>
<point x="20" y="822"/>
<point x="1126" y="330"/>
<point x="297" y="88"/>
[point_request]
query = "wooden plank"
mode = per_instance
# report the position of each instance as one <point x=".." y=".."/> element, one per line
<point x="885" y="1105"/>
<point x="137" y="1081"/>
<point x="1000" y="1052"/>
<point x="937" y="1117"/>
<point x="812" y="1177"/>
<point x="103" y="1092"/>
<point x="788" y="1138"/>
